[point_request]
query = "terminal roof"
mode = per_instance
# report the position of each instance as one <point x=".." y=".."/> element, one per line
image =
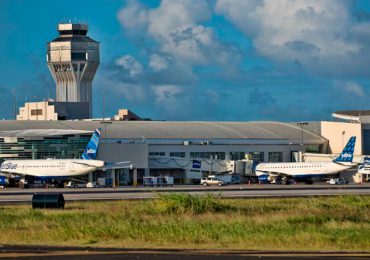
<point x="182" y="130"/>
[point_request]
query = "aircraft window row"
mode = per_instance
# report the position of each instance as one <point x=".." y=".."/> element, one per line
<point x="291" y="167"/>
<point x="39" y="166"/>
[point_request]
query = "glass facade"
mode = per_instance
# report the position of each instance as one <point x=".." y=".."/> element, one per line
<point x="312" y="148"/>
<point x="275" y="156"/>
<point x="177" y="154"/>
<point x="366" y="141"/>
<point x="256" y="156"/>
<point x="157" y="154"/>
<point x="61" y="147"/>
<point x="208" y="155"/>
<point x="237" y="155"/>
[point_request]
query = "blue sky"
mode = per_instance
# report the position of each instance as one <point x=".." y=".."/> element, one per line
<point x="234" y="60"/>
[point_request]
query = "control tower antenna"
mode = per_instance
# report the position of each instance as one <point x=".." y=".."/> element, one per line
<point x="73" y="59"/>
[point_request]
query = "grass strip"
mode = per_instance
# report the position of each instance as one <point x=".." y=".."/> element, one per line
<point x="206" y="222"/>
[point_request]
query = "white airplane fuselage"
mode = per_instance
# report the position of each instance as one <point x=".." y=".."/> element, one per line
<point x="302" y="169"/>
<point x="51" y="167"/>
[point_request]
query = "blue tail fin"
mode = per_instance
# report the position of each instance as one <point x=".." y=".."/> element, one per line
<point x="91" y="149"/>
<point x="254" y="166"/>
<point x="347" y="153"/>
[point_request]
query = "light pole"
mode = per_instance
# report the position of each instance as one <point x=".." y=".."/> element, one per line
<point x="302" y="124"/>
<point x="15" y="103"/>
<point x="290" y="152"/>
<point x="343" y="133"/>
<point x="105" y="123"/>
<point x="103" y="104"/>
<point x="212" y="163"/>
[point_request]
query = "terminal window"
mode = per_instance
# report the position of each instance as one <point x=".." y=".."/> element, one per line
<point x="36" y="112"/>
<point x="208" y="155"/>
<point x="256" y="156"/>
<point x="177" y="154"/>
<point x="156" y="154"/>
<point x="275" y="156"/>
<point x="237" y="155"/>
<point x="366" y="141"/>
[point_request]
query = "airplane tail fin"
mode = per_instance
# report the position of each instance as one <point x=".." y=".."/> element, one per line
<point x="254" y="166"/>
<point x="347" y="154"/>
<point x="91" y="149"/>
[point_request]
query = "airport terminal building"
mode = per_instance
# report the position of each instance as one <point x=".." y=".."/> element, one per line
<point x="162" y="147"/>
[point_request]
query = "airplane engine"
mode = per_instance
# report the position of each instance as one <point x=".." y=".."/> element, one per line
<point x="264" y="178"/>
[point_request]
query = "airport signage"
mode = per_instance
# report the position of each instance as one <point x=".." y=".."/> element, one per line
<point x="197" y="164"/>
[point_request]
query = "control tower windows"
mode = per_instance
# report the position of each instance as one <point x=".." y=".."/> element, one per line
<point x="36" y="112"/>
<point x="78" y="56"/>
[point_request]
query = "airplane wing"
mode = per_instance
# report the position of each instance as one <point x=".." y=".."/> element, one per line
<point x="84" y="164"/>
<point x="5" y="174"/>
<point x="117" y="165"/>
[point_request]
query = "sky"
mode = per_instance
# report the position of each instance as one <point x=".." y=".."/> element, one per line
<point x="209" y="60"/>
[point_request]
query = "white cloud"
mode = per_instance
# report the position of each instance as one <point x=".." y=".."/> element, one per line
<point x="315" y="32"/>
<point x="176" y="27"/>
<point x="130" y="64"/>
<point x="355" y="89"/>
<point x="158" y="63"/>
<point x="167" y="94"/>
<point x="133" y="17"/>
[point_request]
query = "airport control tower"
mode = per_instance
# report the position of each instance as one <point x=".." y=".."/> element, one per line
<point x="73" y="59"/>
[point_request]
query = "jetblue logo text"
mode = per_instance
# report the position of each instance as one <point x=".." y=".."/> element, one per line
<point x="9" y="166"/>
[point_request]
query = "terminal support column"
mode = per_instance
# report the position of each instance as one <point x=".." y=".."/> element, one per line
<point x="90" y="177"/>
<point x="113" y="175"/>
<point x="134" y="177"/>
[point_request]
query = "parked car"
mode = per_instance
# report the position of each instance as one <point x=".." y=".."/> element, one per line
<point x="211" y="181"/>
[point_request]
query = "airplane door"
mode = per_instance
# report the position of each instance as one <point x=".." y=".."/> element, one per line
<point x="72" y="167"/>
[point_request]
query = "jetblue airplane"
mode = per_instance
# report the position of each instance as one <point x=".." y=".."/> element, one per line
<point x="267" y="172"/>
<point x="62" y="168"/>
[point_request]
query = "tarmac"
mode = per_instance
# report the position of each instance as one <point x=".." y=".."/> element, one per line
<point x="41" y="252"/>
<point x="14" y="195"/>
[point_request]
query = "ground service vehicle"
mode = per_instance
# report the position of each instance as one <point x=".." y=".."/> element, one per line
<point x="338" y="181"/>
<point x="75" y="184"/>
<point x="228" y="178"/>
<point x="158" y="181"/>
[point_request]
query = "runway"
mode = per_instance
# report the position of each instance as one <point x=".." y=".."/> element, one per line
<point x="47" y="252"/>
<point x="10" y="196"/>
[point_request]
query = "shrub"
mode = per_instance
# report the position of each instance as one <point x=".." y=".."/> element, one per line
<point x="185" y="203"/>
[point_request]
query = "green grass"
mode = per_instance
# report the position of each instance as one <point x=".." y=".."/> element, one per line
<point x="184" y="221"/>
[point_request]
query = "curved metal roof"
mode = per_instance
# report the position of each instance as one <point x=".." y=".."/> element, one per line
<point x="41" y="132"/>
<point x="262" y="130"/>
